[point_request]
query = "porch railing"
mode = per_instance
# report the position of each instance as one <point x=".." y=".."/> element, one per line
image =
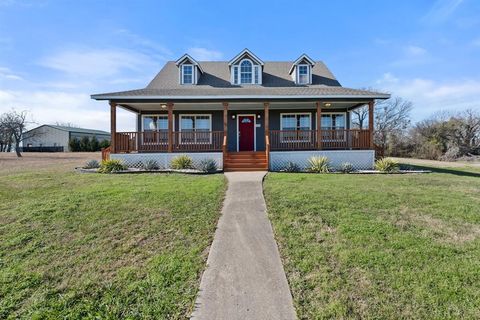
<point x="157" y="141"/>
<point x="330" y="139"/>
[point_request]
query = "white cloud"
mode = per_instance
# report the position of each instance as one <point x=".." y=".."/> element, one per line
<point x="98" y="63"/>
<point x="430" y="96"/>
<point x="441" y="11"/>
<point x="6" y="73"/>
<point x="203" y="54"/>
<point x="49" y="107"/>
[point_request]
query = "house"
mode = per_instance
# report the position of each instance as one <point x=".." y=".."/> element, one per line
<point x="53" y="138"/>
<point x="246" y="113"/>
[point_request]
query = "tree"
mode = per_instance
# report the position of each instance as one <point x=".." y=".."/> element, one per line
<point x="84" y="144"/>
<point x="392" y="119"/>
<point x="94" y="144"/>
<point x="74" y="145"/>
<point x="13" y="125"/>
<point x="360" y="117"/>
<point x="104" y="144"/>
<point x="465" y="133"/>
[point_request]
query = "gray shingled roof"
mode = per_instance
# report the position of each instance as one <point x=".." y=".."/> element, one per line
<point x="215" y="82"/>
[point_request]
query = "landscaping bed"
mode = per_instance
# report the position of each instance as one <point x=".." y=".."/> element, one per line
<point x="379" y="246"/>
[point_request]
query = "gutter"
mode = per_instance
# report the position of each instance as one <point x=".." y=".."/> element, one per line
<point x="260" y="97"/>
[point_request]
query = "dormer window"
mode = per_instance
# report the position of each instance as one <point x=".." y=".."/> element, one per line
<point x="189" y="70"/>
<point x="301" y="70"/>
<point x="187" y="74"/>
<point x="246" y="68"/>
<point x="303" y="74"/>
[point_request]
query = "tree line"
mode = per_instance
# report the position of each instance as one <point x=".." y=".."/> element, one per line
<point x="445" y="136"/>
<point x="86" y="144"/>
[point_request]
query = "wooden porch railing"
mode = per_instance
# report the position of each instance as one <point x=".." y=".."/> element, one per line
<point x="330" y="139"/>
<point x="106" y="153"/>
<point x="157" y="141"/>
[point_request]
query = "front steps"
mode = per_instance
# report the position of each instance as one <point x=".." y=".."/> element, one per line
<point x="245" y="161"/>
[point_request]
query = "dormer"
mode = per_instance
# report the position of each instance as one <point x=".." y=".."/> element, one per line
<point x="189" y="70"/>
<point x="301" y="70"/>
<point x="246" y="68"/>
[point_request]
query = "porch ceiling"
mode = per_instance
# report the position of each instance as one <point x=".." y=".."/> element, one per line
<point x="326" y="105"/>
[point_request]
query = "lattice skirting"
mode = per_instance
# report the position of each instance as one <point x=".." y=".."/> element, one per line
<point x="360" y="159"/>
<point x="135" y="160"/>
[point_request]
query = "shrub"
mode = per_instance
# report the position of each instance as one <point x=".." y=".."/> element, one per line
<point x="386" y="165"/>
<point x="347" y="167"/>
<point x="94" y="145"/>
<point x="208" y="165"/>
<point x="104" y="144"/>
<point x="92" y="164"/>
<point x="111" y="165"/>
<point x="150" y="165"/>
<point x="85" y="144"/>
<point x="74" y="145"/>
<point x="291" y="167"/>
<point x="181" y="162"/>
<point x="319" y="164"/>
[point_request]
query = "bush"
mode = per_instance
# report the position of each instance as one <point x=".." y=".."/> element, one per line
<point x="208" y="165"/>
<point x="104" y="144"/>
<point x="94" y="145"/>
<point x="85" y="144"/>
<point x="181" y="162"/>
<point x="74" y="145"/>
<point x="92" y="164"/>
<point x="347" y="167"/>
<point x="291" y="167"/>
<point x="319" y="164"/>
<point x="150" y="165"/>
<point x="111" y="165"/>
<point x="386" y="165"/>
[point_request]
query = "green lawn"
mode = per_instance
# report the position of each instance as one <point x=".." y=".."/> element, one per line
<point x="379" y="246"/>
<point x="104" y="246"/>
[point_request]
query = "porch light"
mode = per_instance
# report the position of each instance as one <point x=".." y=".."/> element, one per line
<point x="233" y="116"/>
<point x="258" y="116"/>
<point x="163" y="106"/>
<point x="328" y="104"/>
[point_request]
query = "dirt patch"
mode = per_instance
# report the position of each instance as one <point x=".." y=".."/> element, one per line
<point x="62" y="161"/>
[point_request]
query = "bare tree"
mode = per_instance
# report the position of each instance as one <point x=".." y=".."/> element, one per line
<point x="466" y="132"/>
<point x="360" y="117"/>
<point x="13" y="124"/>
<point x="392" y="118"/>
<point x="67" y="124"/>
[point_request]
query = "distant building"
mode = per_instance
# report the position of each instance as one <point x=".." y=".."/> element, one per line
<point x="56" y="138"/>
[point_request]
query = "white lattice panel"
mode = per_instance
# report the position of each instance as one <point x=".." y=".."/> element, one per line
<point x="360" y="159"/>
<point x="135" y="160"/>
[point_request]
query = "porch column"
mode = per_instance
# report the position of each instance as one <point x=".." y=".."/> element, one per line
<point x="319" y="125"/>
<point x="113" y="126"/>
<point x="170" y="126"/>
<point x="370" y="123"/>
<point x="266" y="106"/>
<point x="225" y="121"/>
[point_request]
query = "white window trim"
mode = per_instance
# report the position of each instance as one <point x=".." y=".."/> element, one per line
<point x="309" y="74"/>
<point x="193" y="73"/>
<point x="209" y="115"/>
<point x="239" y="73"/>
<point x="254" y="130"/>
<point x="282" y="140"/>
<point x="331" y="113"/>
<point x="155" y="115"/>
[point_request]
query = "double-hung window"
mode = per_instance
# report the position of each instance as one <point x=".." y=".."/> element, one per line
<point x="295" y="127"/>
<point x="303" y="74"/>
<point x="187" y="74"/>
<point x="333" y="126"/>
<point x="196" y="128"/>
<point x="155" y="128"/>
<point x="246" y="70"/>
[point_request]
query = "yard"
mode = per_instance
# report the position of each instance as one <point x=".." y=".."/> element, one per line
<point x="101" y="246"/>
<point x="380" y="246"/>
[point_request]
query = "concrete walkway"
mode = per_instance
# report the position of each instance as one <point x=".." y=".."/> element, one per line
<point x="244" y="278"/>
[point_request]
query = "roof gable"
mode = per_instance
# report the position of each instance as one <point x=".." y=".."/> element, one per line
<point x="303" y="59"/>
<point x="187" y="58"/>
<point x="242" y="55"/>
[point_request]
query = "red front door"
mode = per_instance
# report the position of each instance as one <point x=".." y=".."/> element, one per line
<point x="246" y="133"/>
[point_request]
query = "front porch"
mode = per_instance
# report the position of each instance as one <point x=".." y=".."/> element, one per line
<point x="231" y="127"/>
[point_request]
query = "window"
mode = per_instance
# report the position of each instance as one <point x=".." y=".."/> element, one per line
<point x="292" y="125"/>
<point x="303" y="74"/>
<point x="333" y="126"/>
<point x="187" y="74"/>
<point x="235" y="75"/>
<point x="195" y="128"/>
<point x="155" y="128"/>
<point x="245" y="72"/>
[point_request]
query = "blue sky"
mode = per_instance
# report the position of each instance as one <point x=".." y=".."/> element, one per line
<point x="54" y="54"/>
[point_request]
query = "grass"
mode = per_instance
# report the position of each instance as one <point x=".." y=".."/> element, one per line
<point x="379" y="246"/>
<point x="104" y="246"/>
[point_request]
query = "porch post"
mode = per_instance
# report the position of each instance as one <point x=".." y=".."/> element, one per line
<point x="113" y="126"/>
<point x="319" y="125"/>
<point x="225" y="121"/>
<point x="370" y="123"/>
<point x="266" y="106"/>
<point x="170" y="127"/>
